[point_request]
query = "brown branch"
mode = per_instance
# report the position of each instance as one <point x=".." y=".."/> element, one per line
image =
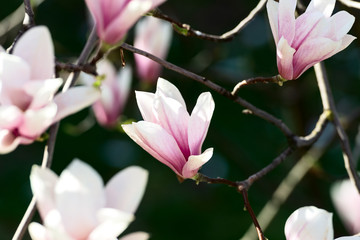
<point x="275" y="79"/>
<point x="329" y="104"/>
<point x="187" y="30"/>
<point x="70" y="67"/>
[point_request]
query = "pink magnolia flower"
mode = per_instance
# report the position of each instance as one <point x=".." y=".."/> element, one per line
<point x="154" y="36"/>
<point x="113" y="18"/>
<point x="311" y="223"/>
<point x="313" y="37"/>
<point x="27" y="87"/>
<point x="114" y="93"/>
<point x="347" y="202"/>
<point x="168" y="132"/>
<point x="77" y="206"/>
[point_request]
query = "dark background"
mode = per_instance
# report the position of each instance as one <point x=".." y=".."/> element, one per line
<point x="243" y="144"/>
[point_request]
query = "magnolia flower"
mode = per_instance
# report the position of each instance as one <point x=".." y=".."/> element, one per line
<point x="114" y="93"/>
<point x="313" y="37"/>
<point x="311" y="223"/>
<point x="114" y="18"/>
<point x="347" y="202"/>
<point x="168" y="133"/>
<point x="154" y="36"/>
<point x="27" y="87"/>
<point x="77" y="206"/>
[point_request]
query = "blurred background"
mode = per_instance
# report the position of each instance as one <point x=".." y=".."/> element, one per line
<point x="243" y="144"/>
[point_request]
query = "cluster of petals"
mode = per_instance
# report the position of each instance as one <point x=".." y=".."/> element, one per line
<point x="77" y="206"/>
<point x="311" y="223"/>
<point x="154" y="36"/>
<point x="113" y="18"/>
<point x="114" y="92"/>
<point x="312" y="37"/>
<point x="168" y="132"/>
<point x="27" y="88"/>
<point x="346" y="199"/>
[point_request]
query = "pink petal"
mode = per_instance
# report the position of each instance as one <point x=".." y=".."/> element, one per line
<point x="340" y="24"/>
<point x="157" y="142"/>
<point x="273" y="14"/>
<point x="309" y="223"/>
<point x="345" y="42"/>
<point x="8" y="142"/>
<point x="199" y="122"/>
<point x="169" y="90"/>
<point x="312" y="52"/>
<point x="136" y="236"/>
<point x="125" y="190"/>
<point x="43" y="182"/>
<point x="285" y="59"/>
<point x="42" y="91"/>
<point x="174" y="118"/>
<point x="123" y="84"/>
<point x="10" y="117"/>
<point x="326" y="7"/>
<point x="79" y="195"/>
<point x="36" y="48"/>
<point x="145" y="102"/>
<point x="195" y="162"/>
<point x="94" y="7"/>
<point x="112" y="223"/>
<point x="287" y="20"/>
<point x="74" y="100"/>
<point x="37" y="121"/>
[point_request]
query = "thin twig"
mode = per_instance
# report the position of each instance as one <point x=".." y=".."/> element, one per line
<point x="328" y="104"/>
<point x="187" y="30"/>
<point x="70" y="67"/>
<point x="29" y="14"/>
<point x="275" y="79"/>
<point x="350" y="3"/>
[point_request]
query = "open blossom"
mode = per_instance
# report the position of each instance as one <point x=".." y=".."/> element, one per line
<point x="168" y="132"/>
<point x="154" y="36"/>
<point x="27" y="87"/>
<point x="312" y="37"/>
<point x="114" y="93"/>
<point x="311" y="223"/>
<point x="346" y="199"/>
<point x="114" y="18"/>
<point x="77" y="206"/>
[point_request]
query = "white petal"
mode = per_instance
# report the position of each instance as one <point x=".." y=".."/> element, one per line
<point x="273" y="14"/>
<point x="42" y="91"/>
<point x="169" y="90"/>
<point x="8" y="142"/>
<point x="124" y="78"/>
<point x="79" y="195"/>
<point x="36" y="48"/>
<point x="125" y="190"/>
<point x="10" y="117"/>
<point x="136" y="236"/>
<point x="349" y="238"/>
<point x="37" y="231"/>
<point x="324" y="6"/>
<point x="195" y="162"/>
<point x="43" y="182"/>
<point x="145" y="102"/>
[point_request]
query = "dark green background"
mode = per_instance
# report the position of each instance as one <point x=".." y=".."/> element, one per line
<point x="243" y="144"/>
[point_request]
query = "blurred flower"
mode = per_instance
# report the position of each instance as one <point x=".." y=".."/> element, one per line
<point x="347" y="202"/>
<point x="114" y="18"/>
<point x="27" y="103"/>
<point x="311" y="223"/>
<point x="136" y="236"/>
<point x="114" y="93"/>
<point x="168" y="133"/>
<point x="313" y="37"/>
<point x="154" y="36"/>
<point x="77" y="206"/>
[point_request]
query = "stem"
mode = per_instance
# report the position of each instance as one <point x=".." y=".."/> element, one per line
<point x="252" y="215"/>
<point x="275" y="79"/>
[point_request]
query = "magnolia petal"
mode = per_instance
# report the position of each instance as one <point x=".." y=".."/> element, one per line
<point x="349" y="238"/>
<point x="36" y="121"/>
<point x="125" y="190"/>
<point x="37" y="231"/>
<point x="36" y="48"/>
<point x="104" y="67"/>
<point x="273" y="13"/>
<point x="312" y="52"/>
<point x="54" y="227"/>
<point x="10" y="117"/>
<point x="199" y="122"/>
<point x="157" y="142"/>
<point x="324" y="6"/>
<point x="169" y="90"/>
<point x="8" y="142"/>
<point x="195" y="162"/>
<point x="174" y="118"/>
<point x="145" y="103"/>
<point x="43" y="182"/>
<point x="309" y="223"/>
<point x="74" y="100"/>
<point x="286" y="24"/>
<point x="79" y="195"/>
<point x="345" y="42"/>
<point x="42" y="91"/>
<point x="94" y="7"/>
<point x="123" y="84"/>
<point x="136" y="236"/>
<point x="112" y="223"/>
<point x="285" y="54"/>
<point x="340" y="24"/>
